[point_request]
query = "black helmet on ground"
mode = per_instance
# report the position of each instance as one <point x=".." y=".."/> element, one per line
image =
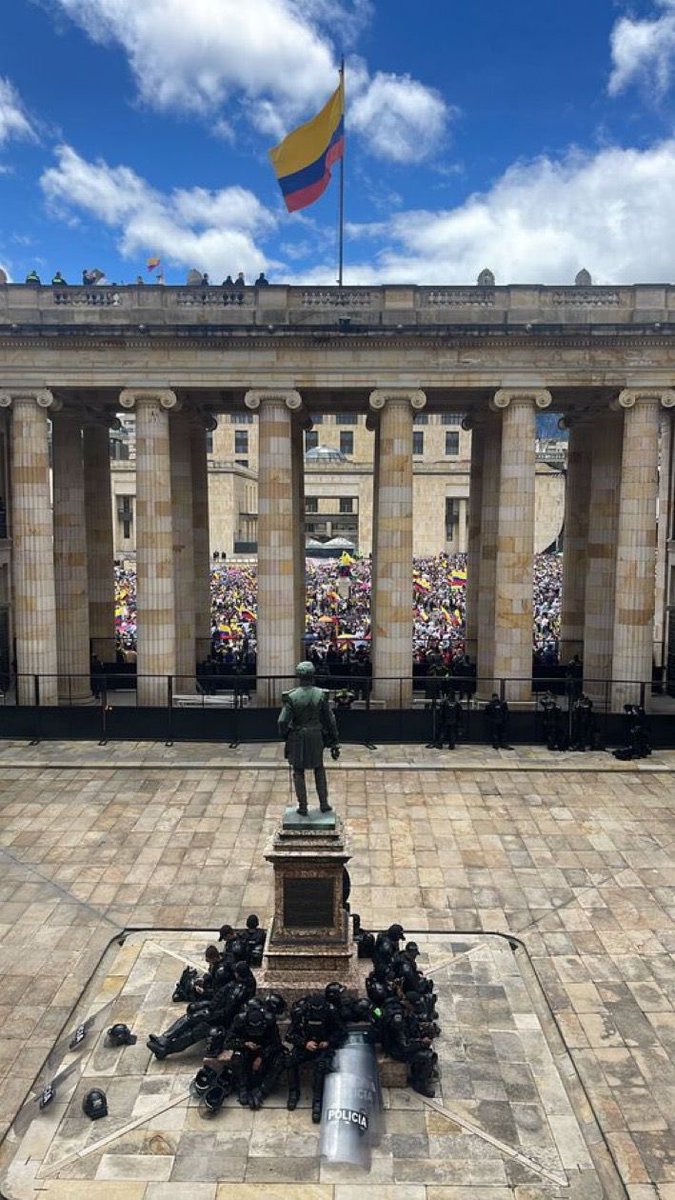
<point x="95" y="1104"/>
<point x="121" y="1035"/>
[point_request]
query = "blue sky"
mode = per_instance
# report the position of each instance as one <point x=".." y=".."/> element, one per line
<point x="534" y="138"/>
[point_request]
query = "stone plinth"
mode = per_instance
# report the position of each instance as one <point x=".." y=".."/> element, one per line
<point x="309" y="943"/>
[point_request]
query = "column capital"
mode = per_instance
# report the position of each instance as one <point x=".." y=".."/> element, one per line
<point x="381" y="396"/>
<point x="42" y="397"/>
<point x="629" y="397"/>
<point x="130" y="397"/>
<point x="540" y="397"/>
<point x="288" y="396"/>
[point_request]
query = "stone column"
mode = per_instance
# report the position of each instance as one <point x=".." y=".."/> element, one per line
<point x="201" y="548"/>
<point x="32" y="547"/>
<point x="633" y="648"/>
<point x="473" y="536"/>
<point x="373" y="424"/>
<point x="662" y="534"/>
<point x="605" y="439"/>
<point x="156" y="639"/>
<point x="278" y="559"/>
<point x="298" y="475"/>
<point x="515" y="538"/>
<point x="575" y="536"/>
<point x="182" y="524"/>
<point x="392" y="545"/>
<point x="100" y="547"/>
<point x="70" y="560"/>
<point x="489" y="510"/>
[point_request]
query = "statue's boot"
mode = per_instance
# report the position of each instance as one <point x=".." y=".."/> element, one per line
<point x="300" y="791"/>
<point x="322" y="789"/>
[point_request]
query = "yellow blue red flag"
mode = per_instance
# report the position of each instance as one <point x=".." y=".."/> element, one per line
<point x="304" y="160"/>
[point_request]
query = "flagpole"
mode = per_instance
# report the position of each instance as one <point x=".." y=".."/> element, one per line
<point x="341" y="201"/>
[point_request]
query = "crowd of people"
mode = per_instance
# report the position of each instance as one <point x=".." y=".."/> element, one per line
<point x="338" y="612"/>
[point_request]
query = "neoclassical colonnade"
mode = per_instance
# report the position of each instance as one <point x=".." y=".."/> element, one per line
<point x="63" y="555"/>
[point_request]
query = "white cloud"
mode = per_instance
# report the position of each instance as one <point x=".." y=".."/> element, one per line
<point x="14" y="122"/>
<point x="540" y="223"/>
<point x="271" y="61"/>
<point x="643" y="51"/>
<point x="400" y="119"/>
<point x="213" y="231"/>
<point x="193" y="56"/>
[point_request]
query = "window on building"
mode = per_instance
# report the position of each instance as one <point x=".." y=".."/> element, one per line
<point x="317" y="418"/>
<point x="245" y="418"/>
<point x="346" y="441"/>
<point x="241" y="441"/>
<point x="346" y="418"/>
<point x="311" y="440"/>
<point x="119" y="449"/>
<point x="209" y="441"/>
<point x="311" y="504"/>
<point x="125" y="512"/>
<point x="418" y="441"/>
<point x="241" y="462"/>
<point x="452" y="441"/>
<point x="421" y="418"/>
<point x="451" y="517"/>
<point x="346" y="504"/>
<point x="448" y="418"/>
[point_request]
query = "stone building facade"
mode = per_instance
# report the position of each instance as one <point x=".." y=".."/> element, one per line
<point x="339" y="485"/>
<point x="72" y="358"/>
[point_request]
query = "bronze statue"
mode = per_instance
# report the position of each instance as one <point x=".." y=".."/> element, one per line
<point x="307" y="724"/>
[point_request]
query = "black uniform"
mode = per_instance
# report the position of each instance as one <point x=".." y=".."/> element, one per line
<point x="448" y="722"/>
<point x="582" y="723"/>
<point x="316" y="1030"/>
<point x="258" y="1055"/>
<point x="204" y="1015"/>
<point x="401" y="1040"/>
<point x="497" y="716"/>
<point x="553" y="725"/>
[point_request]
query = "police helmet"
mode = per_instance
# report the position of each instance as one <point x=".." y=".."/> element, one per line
<point x="395" y="932"/>
<point x="252" y="921"/>
<point x="242" y="971"/>
<point x="255" y="1017"/>
<point x="95" y="1104"/>
<point x="121" y="1035"/>
<point x="334" y="992"/>
<point x="377" y="992"/>
<point x="238" y="949"/>
<point x="276" y="1004"/>
<point x="412" y="948"/>
<point x="361" y="1009"/>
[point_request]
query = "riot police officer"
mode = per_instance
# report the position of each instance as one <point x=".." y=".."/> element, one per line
<point x="257" y="1053"/>
<point x="203" y="1015"/>
<point x="552" y="722"/>
<point x="316" y="1030"/>
<point x="497" y="717"/>
<point x="448" y="722"/>
<point x="401" y="1040"/>
<point x="387" y="945"/>
<point x="582" y="723"/>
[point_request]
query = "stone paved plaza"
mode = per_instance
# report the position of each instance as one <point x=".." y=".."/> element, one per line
<point x="559" y="1050"/>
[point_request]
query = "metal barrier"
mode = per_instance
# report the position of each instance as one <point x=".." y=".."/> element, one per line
<point x="117" y="704"/>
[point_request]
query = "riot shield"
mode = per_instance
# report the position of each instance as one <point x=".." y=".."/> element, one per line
<point x="352" y="1102"/>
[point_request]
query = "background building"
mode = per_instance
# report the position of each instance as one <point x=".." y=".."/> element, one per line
<point x="339" y="484"/>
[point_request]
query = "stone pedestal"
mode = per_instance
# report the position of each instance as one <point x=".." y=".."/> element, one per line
<point x="309" y="943"/>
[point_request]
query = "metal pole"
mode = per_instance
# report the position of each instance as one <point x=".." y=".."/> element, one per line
<point x="341" y="201"/>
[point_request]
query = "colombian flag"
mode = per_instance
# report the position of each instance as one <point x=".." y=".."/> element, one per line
<point x="304" y="160"/>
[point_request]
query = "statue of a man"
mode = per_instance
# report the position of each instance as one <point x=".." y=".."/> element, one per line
<point x="307" y="724"/>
